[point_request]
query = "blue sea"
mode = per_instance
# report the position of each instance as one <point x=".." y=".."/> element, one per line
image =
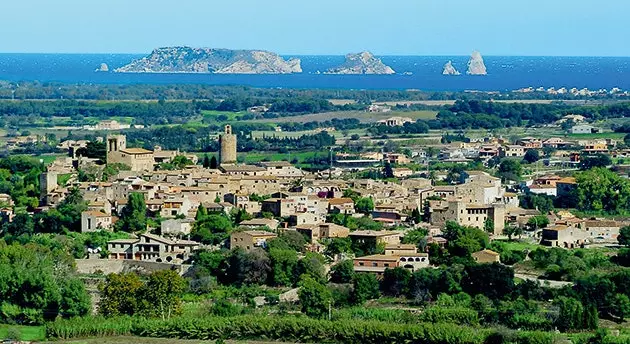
<point x="505" y="73"/>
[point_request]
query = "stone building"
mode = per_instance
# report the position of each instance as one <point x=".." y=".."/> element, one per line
<point x="249" y="240"/>
<point x="466" y="214"/>
<point x="138" y="159"/>
<point x="227" y="141"/>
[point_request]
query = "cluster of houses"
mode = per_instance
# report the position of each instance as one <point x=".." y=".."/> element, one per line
<point x="281" y="197"/>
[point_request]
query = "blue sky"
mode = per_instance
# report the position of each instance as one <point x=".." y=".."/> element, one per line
<point x="385" y="27"/>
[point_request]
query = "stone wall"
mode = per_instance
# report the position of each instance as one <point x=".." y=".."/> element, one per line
<point x="108" y="266"/>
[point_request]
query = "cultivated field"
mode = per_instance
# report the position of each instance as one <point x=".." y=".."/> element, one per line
<point x="365" y="117"/>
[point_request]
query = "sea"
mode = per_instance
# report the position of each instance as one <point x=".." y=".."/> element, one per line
<point x="505" y="73"/>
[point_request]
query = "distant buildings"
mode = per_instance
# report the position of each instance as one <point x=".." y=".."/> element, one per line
<point x="395" y="121"/>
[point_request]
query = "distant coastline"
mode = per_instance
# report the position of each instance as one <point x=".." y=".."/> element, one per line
<point x="413" y="72"/>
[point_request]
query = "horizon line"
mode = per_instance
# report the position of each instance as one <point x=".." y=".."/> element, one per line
<point x="319" y="54"/>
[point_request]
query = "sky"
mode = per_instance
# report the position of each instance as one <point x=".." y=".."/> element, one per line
<point x="320" y="27"/>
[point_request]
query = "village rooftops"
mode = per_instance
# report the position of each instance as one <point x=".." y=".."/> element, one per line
<point x="136" y="151"/>
<point x="271" y="223"/>
<point x="557" y="228"/>
<point x="374" y="234"/>
<point x="260" y="233"/>
<point x="338" y="201"/>
<point x="96" y="214"/>
<point x="169" y="241"/>
<point x="401" y="247"/>
<point x="490" y="252"/>
<point x="275" y="164"/>
<point x="123" y="241"/>
<point x="241" y="168"/>
<point x="566" y="180"/>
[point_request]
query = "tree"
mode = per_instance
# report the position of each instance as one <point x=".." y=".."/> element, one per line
<point x="312" y="265"/>
<point x="538" y="221"/>
<point x="93" y="150"/>
<point x="492" y="280"/>
<point x="511" y="231"/>
<point x="22" y="224"/>
<point x="366" y="287"/>
<point x="119" y="294"/>
<point x="416" y="215"/>
<point x="202" y="213"/>
<point x="337" y="246"/>
<point x="364" y="205"/>
<point x="241" y="267"/>
<point x="600" y="189"/>
<point x="342" y="272"/>
<point x="571" y="313"/>
<point x="289" y="240"/>
<point x="206" y="161"/>
<point x="488" y="225"/>
<point x="531" y="156"/>
<point x="284" y="266"/>
<point x="388" y="171"/>
<point x="213" y="163"/>
<point x="315" y="298"/>
<point x="395" y="281"/>
<point x="510" y="169"/>
<point x="75" y="300"/>
<point x="38" y="284"/>
<point x="621" y="306"/>
<point x="463" y="241"/>
<point x="624" y="236"/>
<point x="596" y="161"/>
<point x="212" y="230"/>
<point x="542" y="203"/>
<point x="133" y="217"/>
<point x="162" y="294"/>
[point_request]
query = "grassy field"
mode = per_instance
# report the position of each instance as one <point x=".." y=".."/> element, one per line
<point x="294" y="134"/>
<point x="365" y="117"/>
<point x="232" y="116"/>
<point x="27" y="333"/>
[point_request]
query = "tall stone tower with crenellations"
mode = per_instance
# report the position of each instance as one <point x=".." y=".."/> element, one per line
<point x="227" y="142"/>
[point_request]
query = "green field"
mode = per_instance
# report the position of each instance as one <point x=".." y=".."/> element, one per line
<point x="294" y="134"/>
<point x="232" y="116"/>
<point x="27" y="333"/>
<point x="365" y="117"/>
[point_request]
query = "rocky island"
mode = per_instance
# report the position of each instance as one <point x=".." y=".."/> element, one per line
<point x="362" y="63"/>
<point x="449" y="69"/>
<point x="208" y="60"/>
<point x="102" y="68"/>
<point x="476" y="65"/>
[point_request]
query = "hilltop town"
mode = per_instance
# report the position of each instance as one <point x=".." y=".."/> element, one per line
<point x="509" y="215"/>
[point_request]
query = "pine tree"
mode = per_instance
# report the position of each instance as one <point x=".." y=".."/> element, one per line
<point x="202" y="213"/>
<point x="206" y="161"/>
<point x="213" y="162"/>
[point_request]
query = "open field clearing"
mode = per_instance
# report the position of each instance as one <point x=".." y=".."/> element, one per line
<point x="27" y="333"/>
<point x="365" y="117"/>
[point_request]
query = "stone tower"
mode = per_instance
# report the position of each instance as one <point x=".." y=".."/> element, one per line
<point x="47" y="184"/>
<point x="227" y="142"/>
<point x="115" y="143"/>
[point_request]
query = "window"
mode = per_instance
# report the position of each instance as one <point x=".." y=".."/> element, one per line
<point x="386" y="265"/>
<point x="361" y="264"/>
<point x="374" y="264"/>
